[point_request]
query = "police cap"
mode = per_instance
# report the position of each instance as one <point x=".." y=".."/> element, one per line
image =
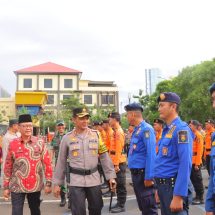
<point x="169" y="97"/>
<point x="160" y="121"/>
<point x="133" y="106"/>
<point x="60" y="122"/>
<point x="80" y="112"/>
<point x="212" y="88"/>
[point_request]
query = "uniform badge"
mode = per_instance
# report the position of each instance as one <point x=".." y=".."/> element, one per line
<point x="182" y="137"/>
<point x="213" y="143"/>
<point x="134" y="146"/>
<point x="146" y="134"/>
<point x="75" y="153"/>
<point x="164" y="151"/>
<point x="162" y="96"/>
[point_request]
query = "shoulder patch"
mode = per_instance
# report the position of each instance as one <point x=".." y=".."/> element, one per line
<point x="182" y="136"/>
<point x="213" y="143"/>
<point x="146" y="134"/>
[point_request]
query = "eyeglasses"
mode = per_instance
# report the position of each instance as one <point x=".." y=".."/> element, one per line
<point x="27" y="126"/>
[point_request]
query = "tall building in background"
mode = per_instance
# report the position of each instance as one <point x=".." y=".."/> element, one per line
<point x="152" y="78"/>
<point x="4" y="93"/>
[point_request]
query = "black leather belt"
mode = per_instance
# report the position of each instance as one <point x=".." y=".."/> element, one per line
<point x="112" y="152"/>
<point x="80" y="171"/>
<point x="207" y="150"/>
<point x="137" y="171"/>
<point x="170" y="181"/>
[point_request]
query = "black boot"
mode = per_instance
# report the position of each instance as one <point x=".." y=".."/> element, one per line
<point x="196" y="201"/>
<point x="63" y="199"/>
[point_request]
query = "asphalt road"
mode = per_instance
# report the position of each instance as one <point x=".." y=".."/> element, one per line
<point x="50" y="205"/>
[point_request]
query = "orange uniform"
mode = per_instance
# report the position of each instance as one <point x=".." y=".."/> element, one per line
<point x="197" y="148"/>
<point x="158" y="137"/>
<point x="208" y="141"/>
<point x="117" y="147"/>
<point x="109" y="137"/>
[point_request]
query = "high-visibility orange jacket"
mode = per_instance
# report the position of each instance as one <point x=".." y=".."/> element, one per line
<point x="208" y="141"/>
<point x="109" y="137"/>
<point x="158" y="137"/>
<point x="116" y="151"/>
<point x="103" y="135"/>
<point x="197" y="148"/>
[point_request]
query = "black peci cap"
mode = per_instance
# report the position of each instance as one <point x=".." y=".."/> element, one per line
<point x="25" y="118"/>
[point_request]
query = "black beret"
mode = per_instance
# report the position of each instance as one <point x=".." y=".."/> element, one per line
<point x="105" y="121"/>
<point x="133" y="106"/>
<point x="169" y="97"/>
<point x="80" y="112"/>
<point x="96" y="123"/>
<point x="160" y="121"/>
<point x="212" y="88"/>
<point x="24" y="118"/>
<point x="115" y="115"/>
<point x="13" y="121"/>
<point x="210" y="121"/>
<point x="194" y="122"/>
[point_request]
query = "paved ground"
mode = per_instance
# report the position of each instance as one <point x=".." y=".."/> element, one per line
<point x="50" y="204"/>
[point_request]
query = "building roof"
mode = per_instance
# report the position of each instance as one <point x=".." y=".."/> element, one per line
<point x="48" y="67"/>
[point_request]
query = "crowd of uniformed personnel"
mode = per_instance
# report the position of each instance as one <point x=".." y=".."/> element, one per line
<point x="165" y="161"/>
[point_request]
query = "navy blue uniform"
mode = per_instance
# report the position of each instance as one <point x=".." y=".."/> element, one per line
<point x="210" y="197"/>
<point x="141" y="163"/>
<point x="173" y="164"/>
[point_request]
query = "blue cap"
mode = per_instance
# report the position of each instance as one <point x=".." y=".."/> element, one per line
<point x="169" y="97"/>
<point x="212" y="88"/>
<point x="133" y="106"/>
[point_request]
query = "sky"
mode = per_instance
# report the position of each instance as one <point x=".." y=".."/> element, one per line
<point x="108" y="40"/>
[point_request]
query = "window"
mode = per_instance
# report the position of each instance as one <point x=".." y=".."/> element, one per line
<point x="66" y="97"/>
<point x="67" y="83"/>
<point x="47" y="83"/>
<point x="107" y="99"/>
<point x="50" y="100"/>
<point x="88" y="99"/>
<point x="27" y="83"/>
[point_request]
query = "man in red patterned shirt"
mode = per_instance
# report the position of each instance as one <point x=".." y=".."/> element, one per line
<point x="25" y="163"/>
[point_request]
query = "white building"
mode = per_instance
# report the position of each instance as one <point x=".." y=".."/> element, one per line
<point x="60" y="82"/>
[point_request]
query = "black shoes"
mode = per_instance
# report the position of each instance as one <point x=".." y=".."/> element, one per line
<point x="118" y="209"/>
<point x="197" y="201"/>
<point x="63" y="199"/>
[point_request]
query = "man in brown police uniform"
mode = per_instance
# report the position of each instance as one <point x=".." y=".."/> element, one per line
<point x="82" y="146"/>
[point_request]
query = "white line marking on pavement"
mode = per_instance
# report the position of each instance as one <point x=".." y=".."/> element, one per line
<point x="130" y="197"/>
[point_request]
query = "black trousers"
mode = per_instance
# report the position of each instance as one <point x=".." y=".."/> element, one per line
<point x="196" y="178"/>
<point x="18" y="200"/>
<point x="78" y="195"/>
<point x="207" y="161"/>
<point x="121" y="185"/>
<point x="145" y="195"/>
